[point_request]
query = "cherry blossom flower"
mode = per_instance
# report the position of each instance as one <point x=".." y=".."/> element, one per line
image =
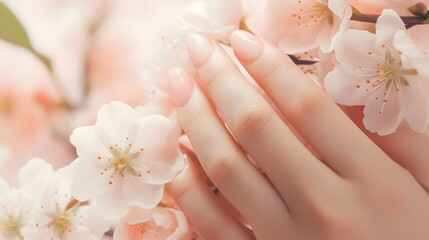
<point x="124" y="159"/>
<point x="53" y="212"/>
<point x="158" y="224"/>
<point x="301" y="25"/>
<point x="16" y="205"/>
<point x="386" y="72"/>
<point x="59" y="216"/>
<point x="214" y="19"/>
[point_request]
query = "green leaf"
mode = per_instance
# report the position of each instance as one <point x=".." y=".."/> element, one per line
<point x="45" y="60"/>
<point x="11" y="30"/>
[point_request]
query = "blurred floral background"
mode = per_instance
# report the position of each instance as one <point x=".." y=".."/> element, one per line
<point x="97" y="51"/>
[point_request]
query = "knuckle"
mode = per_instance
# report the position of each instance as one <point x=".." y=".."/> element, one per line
<point x="212" y="78"/>
<point x="251" y="122"/>
<point x="341" y="218"/>
<point x="219" y="168"/>
<point x="270" y="72"/>
<point x="308" y="104"/>
<point x="341" y="224"/>
<point x="192" y="119"/>
<point x="194" y="114"/>
<point x="392" y="202"/>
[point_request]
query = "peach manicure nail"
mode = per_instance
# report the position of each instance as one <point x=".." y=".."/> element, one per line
<point x="200" y="49"/>
<point x="180" y="86"/>
<point x="247" y="47"/>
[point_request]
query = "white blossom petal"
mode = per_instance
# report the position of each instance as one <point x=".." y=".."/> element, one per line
<point x="417" y="101"/>
<point x="392" y="112"/>
<point x="137" y="193"/>
<point x="388" y="24"/>
<point x="353" y="49"/>
<point x="342" y="87"/>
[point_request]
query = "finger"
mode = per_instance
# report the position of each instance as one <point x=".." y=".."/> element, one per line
<point x="406" y="147"/>
<point x="256" y="126"/>
<point x="201" y="208"/>
<point x="317" y="118"/>
<point x="227" y="166"/>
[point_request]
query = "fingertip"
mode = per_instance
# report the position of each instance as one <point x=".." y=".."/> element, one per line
<point x="200" y="49"/>
<point x="180" y="86"/>
<point x="247" y="47"/>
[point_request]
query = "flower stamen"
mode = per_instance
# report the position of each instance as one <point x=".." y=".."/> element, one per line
<point x="122" y="161"/>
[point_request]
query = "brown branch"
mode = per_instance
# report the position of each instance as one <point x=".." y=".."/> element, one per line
<point x="301" y="62"/>
<point x="409" y="21"/>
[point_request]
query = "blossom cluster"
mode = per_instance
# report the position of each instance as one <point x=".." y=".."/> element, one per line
<point x="104" y="175"/>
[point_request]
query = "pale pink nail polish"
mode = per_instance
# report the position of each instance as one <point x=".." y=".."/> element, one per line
<point x="200" y="49"/>
<point x="247" y="47"/>
<point x="180" y="86"/>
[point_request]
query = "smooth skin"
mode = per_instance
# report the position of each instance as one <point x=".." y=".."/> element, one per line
<point x="345" y="187"/>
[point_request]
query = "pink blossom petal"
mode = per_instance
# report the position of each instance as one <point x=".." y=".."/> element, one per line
<point x="417" y="103"/>
<point x="353" y="49"/>
<point x="90" y="181"/>
<point x="412" y="54"/>
<point x="307" y="38"/>
<point x="419" y="35"/>
<point x="388" y="24"/>
<point x="78" y="232"/>
<point x="146" y="196"/>
<point x="339" y="7"/>
<point x="35" y="175"/>
<point x="88" y="143"/>
<point x="115" y="117"/>
<point x="270" y="28"/>
<point x="139" y="215"/>
<point x="93" y="221"/>
<point x="392" y="113"/>
<point x="343" y="12"/>
<point x="152" y="133"/>
<point x="182" y="227"/>
<point x="163" y="170"/>
<point x="112" y="206"/>
<point x="342" y="87"/>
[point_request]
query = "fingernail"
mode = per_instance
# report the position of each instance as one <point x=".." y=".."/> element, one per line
<point x="200" y="49"/>
<point x="180" y="86"/>
<point x="247" y="47"/>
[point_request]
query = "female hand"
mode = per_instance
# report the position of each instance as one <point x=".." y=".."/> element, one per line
<point x="351" y="190"/>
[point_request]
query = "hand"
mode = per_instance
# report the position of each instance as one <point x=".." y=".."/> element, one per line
<point x="354" y="191"/>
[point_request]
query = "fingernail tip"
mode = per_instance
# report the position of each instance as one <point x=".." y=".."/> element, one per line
<point x="180" y="85"/>
<point x="247" y="47"/>
<point x="199" y="48"/>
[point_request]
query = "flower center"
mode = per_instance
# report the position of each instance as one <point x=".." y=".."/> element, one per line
<point x="61" y="222"/>
<point x="389" y="74"/>
<point x="123" y="161"/>
<point x="393" y="71"/>
<point x="10" y="228"/>
<point x="317" y="11"/>
<point x="61" y="218"/>
<point x="6" y="105"/>
<point x="321" y="8"/>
